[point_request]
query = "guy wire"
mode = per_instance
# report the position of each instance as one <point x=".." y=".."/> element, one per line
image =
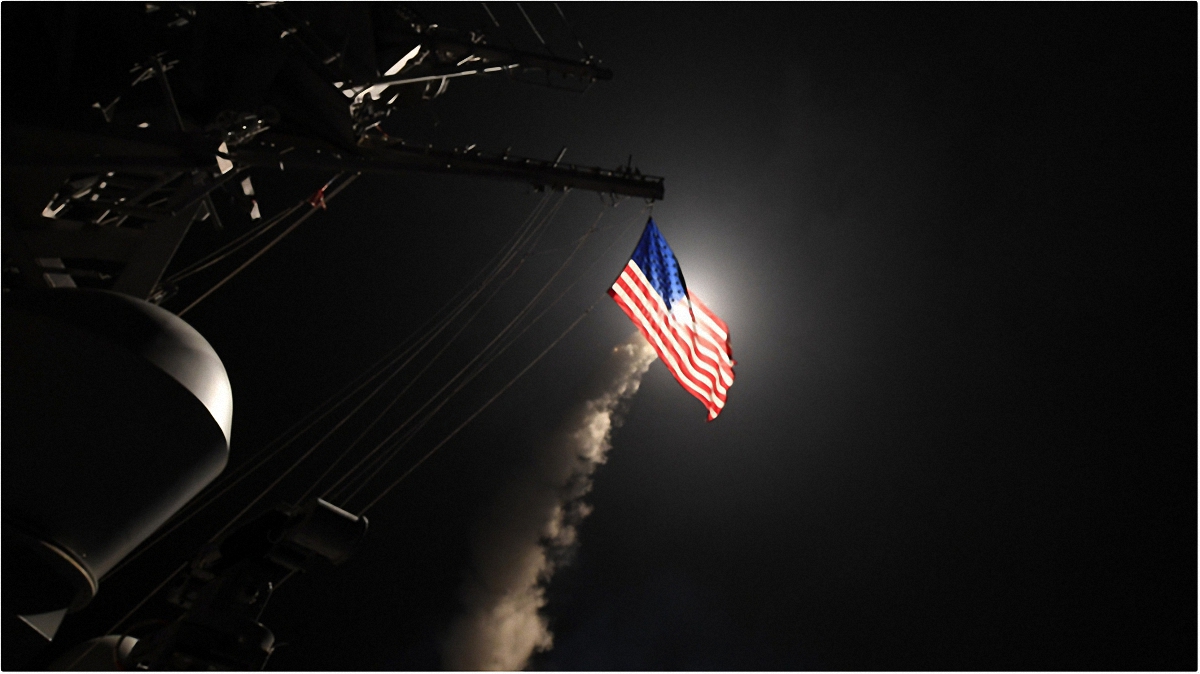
<point x="269" y="487"/>
<point x="377" y="465"/>
<point x="349" y="473"/>
<point x="490" y="358"/>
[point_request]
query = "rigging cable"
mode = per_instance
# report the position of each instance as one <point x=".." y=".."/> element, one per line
<point x="572" y="31"/>
<point x="458" y="375"/>
<point x="345" y="183"/>
<point x="233" y="246"/>
<point x="345" y="452"/>
<point x="441" y="323"/>
<point x="395" y="451"/>
<point x="127" y="616"/>
<point x="490" y="15"/>
<point x="391" y="486"/>
<point x="484" y="352"/>
<point x="235" y="477"/>
<point x="273" y="484"/>
<point x="534" y="29"/>
<point x="382" y="460"/>
<point x="247" y="468"/>
<point x="479" y="411"/>
<point x="549" y="216"/>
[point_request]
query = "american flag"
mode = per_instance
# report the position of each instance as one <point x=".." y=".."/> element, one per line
<point x="689" y="338"/>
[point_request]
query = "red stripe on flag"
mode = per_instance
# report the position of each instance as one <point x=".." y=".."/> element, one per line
<point x="683" y="333"/>
<point x="694" y="348"/>
<point x="661" y="341"/>
<point x="640" y="310"/>
<point x="664" y="323"/>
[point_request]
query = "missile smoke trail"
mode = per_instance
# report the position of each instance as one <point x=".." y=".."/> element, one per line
<point x="532" y="528"/>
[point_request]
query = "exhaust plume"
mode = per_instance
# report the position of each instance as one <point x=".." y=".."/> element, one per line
<point x="531" y="530"/>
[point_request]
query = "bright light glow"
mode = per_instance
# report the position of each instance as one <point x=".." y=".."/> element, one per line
<point x="709" y="260"/>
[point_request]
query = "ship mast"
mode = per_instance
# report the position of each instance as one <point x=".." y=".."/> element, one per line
<point x="128" y="193"/>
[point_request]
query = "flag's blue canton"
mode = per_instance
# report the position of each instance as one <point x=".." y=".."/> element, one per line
<point x="658" y="263"/>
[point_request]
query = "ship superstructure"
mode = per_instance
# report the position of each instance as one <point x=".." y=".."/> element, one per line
<point x="102" y="188"/>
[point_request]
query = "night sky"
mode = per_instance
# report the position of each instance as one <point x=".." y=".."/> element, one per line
<point x="956" y="248"/>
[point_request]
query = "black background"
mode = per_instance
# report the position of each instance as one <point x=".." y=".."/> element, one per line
<point x="956" y="248"/>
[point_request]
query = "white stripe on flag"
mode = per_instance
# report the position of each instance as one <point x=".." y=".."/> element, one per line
<point x="692" y="342"/>
<point x="657" y="311"/>
<point x="656" y="336"/>
<point x="684" y="342"/>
